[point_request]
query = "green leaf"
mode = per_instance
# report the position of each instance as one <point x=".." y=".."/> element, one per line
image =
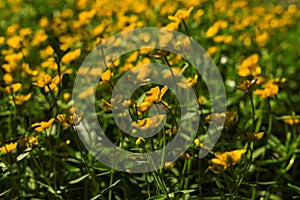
<point x="79" y="179"/>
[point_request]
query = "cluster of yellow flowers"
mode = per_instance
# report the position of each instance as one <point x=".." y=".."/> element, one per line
<point x="40" y="56"/>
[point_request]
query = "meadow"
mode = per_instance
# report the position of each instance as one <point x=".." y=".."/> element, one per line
<point x="255" y="47"/>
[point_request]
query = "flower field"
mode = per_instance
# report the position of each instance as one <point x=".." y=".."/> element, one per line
<point x="254" y="151"/>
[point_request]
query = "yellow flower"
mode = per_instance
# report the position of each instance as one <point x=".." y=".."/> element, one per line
<point x="270" y="89"/>
<point x="140" y="141"/>
<point x="155" y="94"/>
<point x="214" y="29"/>
<point x="70" y="56"/>
<point x="13" y="88"/>
<point x="254" y="136"/>
<point x="212" y="50"/>
<point x="8" y="79"/>
<point x="189" y="82"/>
<point x="247" y="84"/>
<point x="230" y="117"/>
<point x="65" y="120"/>
<point x="106" y="76"/>
<point x="9" y="147"/>
<point x="27" y="142"/>
<point x="20" y="99"/>
<point x="2" y="39"/>
<point x="197" y="142"/>
<point x="40" y="126"/>
<point x="43" y="81"/>
<point x="146" y="123"/>
<point x="39" y="37"/>
<point x="225" y="160"/>
<point x="14" y="41"/>
<point x="181" y="14"/>
<point x="249" y="66"/>
<point x="291" y="120"/>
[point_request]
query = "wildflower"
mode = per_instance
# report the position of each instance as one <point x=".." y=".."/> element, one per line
<point x="106" y="76"/>
<point x="189" y="82"/>
<point x="20" y="99"/>
<point x="270" y="89"/>
<point x="291" y="120"/>
<point x="173" y="130"/>
<point x="225" y="160"/>
<point x="153" y="96"/>
<point x="2" y="39"/>
<point x="254" y="136"/>
<point x="87" y="92"/>
<point x="39" y="37"/>
<point x="197" y="142"/>
<point x="13" y="88"/>
<point x="214" y="29"/>
<point x="26" y="142"/>
<point x="181" y="14"/>
<point x="146" y="123"/>
<point x="140" y="141"/>
<point x="70" y="56"/>
<point x="65" y="120"/>
<point x="212" y="50"/>
<point x="169" y="165"/>
<point x="249" y="66"/>
<point x="247" y="84"/>
<point x="14" y="41"/>
<point x="230" y="118"/>
<point x="40" y="126"/>
<point x="44" y="81"/>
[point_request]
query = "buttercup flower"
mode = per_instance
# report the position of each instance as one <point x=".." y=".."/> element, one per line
<point x="40" y="126"/>
<point x="146" y="123"/>
<point x="225" y="160"/>
<point x="249" y="66"/>
<point x="13" y="88"/>
<point x="153" y="96"/>
<point x="270" y="89"/>
<point x="254" y="136"/>
<point x="291" y="120"/>
<point x="20" y="99"/>
<point x="27" y="142"/>
<point x="65" y="120"/>
<point x="230" y="117"/>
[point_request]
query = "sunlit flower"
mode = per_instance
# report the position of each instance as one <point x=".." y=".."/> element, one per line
<point x="106" y="76"/>
<point x="225" y="160"/>
<point x="291" y="120"/>
<point x="181" y="14"/>
<point x="249" y="66"/>
<point x="13" y="88"/>
<point x="247" y="84"/>
<point x="230" y="118"/>
<point x="189" y="82"/>
<point x="270" y="89"/>
<point x="140" y="141"/>
<point x="254" y="136"/>
<point x="20" y="99"/>
<point x="147" y="123"/>
<point x="65" y="120"/>
<point x="40" y="126"/>
<point x="39" y="37"/>
<point x="70" y="56"/>
<point x="14" y="41"/>
<point x="27" y="142"/>
<point x="43" y="81"/>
